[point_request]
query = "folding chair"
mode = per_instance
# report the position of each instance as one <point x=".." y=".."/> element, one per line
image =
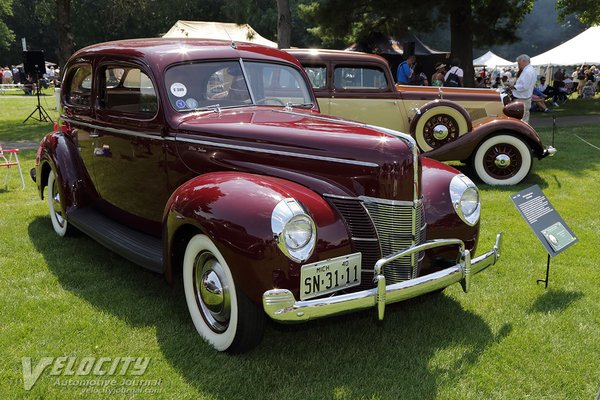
<point x="11" y="161"/>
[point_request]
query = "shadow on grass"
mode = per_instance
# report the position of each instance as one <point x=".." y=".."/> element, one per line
<point x="554" y="301"/>
<point x="424" y="343"/>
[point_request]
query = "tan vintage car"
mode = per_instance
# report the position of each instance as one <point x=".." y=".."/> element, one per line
<point x="476" y="126"/>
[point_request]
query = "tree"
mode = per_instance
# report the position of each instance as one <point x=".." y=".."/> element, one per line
<point x="284" y="24"/>
<point x="7" y="36"/>
<point x="587" y="11"/>
<point x="472" y="23"/>
<point x="65" y="33"/>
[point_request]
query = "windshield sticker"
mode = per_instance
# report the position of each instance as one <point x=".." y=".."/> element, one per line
<point x="178" y="89"/>
<point x="191" y="103"/>
<point x="180" y="103"/>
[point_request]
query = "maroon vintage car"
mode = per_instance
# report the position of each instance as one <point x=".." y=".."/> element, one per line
<point x="476" y="126"/>
<point x="208" y="161"/>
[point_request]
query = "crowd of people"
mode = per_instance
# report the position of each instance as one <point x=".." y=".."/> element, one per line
<point x="16" y="75"/>
<point x="584" y="80"/>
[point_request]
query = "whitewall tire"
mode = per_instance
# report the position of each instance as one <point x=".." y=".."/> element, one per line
<point x="502" y="160"/>
<point x="59" y="222"/>
<point x="438" y="126"/>
<point x="221" y="313"/>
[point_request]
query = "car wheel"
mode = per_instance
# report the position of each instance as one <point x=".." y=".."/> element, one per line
<point x="221" y="313"/>
<point x="438" y="126"/>
<point x="502" y="160"/>
<point x="59" y="222"/>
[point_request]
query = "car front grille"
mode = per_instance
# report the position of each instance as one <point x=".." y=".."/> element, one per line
<point x="380" y="228"/>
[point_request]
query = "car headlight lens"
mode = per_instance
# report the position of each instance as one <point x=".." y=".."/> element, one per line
<point x="465" y="199"/>
<point x="294" y="230"/>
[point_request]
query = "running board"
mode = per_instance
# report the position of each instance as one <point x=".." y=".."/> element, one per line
<point x="140" y="248"/>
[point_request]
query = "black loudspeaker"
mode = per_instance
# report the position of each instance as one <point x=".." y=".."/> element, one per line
<point x="408" y="49"/>
<point x="34" y="62"/>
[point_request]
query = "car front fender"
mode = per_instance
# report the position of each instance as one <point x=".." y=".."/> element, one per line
<point x="234" y="210"/>
<point x="442" y="220"/>
<point x="463" y="147"/>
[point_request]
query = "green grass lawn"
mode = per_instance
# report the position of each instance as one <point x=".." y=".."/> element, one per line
<point x="508" y="338"/>
<point x="573" y="107"/>
<point x="14" y="109"/>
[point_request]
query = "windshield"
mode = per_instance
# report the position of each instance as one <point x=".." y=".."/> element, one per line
<point x="235" y="83"/>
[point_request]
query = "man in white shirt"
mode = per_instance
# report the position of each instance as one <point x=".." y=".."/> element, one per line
<point x="523" y="88"/>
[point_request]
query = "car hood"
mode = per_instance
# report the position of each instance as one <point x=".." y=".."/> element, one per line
<point x="328" y="154"/>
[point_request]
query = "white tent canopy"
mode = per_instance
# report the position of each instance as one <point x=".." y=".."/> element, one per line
<point x="582" y="49"/>
<point x="491" y="60"/>
<point x="217" y="30"/>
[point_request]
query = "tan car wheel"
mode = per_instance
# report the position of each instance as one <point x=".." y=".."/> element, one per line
<point x="438" y="126"/>
<point x="502" y="160"/>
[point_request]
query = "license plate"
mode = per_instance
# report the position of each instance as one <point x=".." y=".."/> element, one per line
<point x="323" y="277"/>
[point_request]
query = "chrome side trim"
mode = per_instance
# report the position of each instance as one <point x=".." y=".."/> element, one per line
<point x="281" y="305"/>
<point x="277" y="152"/>
<point x="146" y="135"/>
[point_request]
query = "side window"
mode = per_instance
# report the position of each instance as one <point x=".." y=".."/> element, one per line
<point x="317" y="75"/>
<point x="128" y="90"/>
<point x="359" y="78"/>
<point x="79" y="88"/>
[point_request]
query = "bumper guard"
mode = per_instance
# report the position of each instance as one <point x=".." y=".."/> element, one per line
<point x="281" y="305"/>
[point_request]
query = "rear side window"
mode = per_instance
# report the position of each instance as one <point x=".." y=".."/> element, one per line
<point x="317" y="75"/>
<point x="128" y="90"/>
<point x="79" y="88"/>
<point x="359" y="78"/>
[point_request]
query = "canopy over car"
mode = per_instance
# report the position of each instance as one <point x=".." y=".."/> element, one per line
<point x="217" y="30"/>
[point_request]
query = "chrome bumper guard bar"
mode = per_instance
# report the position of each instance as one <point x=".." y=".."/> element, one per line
<point x="549" y="152"/>
<point x="280" y="304"/>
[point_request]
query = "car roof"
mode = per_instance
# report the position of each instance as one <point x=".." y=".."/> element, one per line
<point x="337" y="55"/>
<point x="166" y="51"/>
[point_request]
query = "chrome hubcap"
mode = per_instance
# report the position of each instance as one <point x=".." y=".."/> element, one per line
<point x="212" y="292"/>
<point x="56" y="205"/>
<point x="440" y="132"/>
<point x="502" y="161"/>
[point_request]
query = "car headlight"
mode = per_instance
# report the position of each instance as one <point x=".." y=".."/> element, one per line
<point x="465" y="199"/>
<point x="294" y="230"/>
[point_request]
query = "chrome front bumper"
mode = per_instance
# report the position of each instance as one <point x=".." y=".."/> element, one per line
<point x="280" y="304"/>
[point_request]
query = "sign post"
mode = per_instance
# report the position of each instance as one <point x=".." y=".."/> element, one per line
<point x="546" y="223"/>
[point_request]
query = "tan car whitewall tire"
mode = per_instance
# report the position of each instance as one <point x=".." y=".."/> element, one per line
<point x="502" y="160"/>
<point x="450" y="118"/>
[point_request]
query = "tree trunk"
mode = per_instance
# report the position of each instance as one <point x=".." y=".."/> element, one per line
<point x="284" y="24"/>
<point x="65" y="35"/>
<point x="461" y="45"/>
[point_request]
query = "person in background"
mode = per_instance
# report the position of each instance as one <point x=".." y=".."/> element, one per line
<point x="523" y="87"/>
<point x="454" y="76"/>
<point x="588" y="91"/>
<point x="418" y="77"/>
<point x="405" y="70"/>
<point x="547" y="90"/>
<point x="7" y="76"/>
<point x="437" y="79"/>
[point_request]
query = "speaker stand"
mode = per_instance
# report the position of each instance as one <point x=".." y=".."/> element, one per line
<point x="43" y="115"/>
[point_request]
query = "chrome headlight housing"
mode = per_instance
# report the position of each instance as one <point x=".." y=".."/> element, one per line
<point x="465" y="199"/>
<point x="294" y="230"/>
